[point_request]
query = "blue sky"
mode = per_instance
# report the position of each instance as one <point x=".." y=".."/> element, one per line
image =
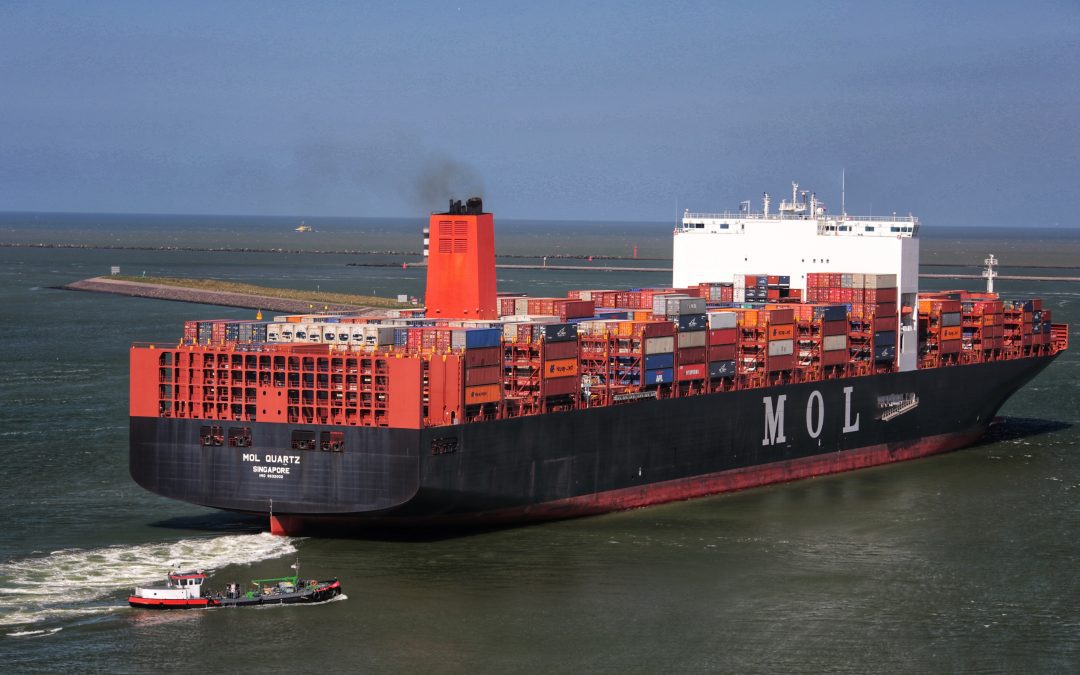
<point x="964" y="113"/>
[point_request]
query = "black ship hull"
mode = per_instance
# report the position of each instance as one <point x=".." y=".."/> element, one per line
<point x="579" y="462"/>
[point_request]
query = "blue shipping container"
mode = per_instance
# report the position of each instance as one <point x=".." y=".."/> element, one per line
<point x="693" y="322"/>
<point x="557" y="332"/>
<point x="478" y="338"/>
<point x="831" y="313"/>
<point x="718" y="369"/>
<point x="885" y="338"/>
<point x="659" y="361"/>
<point x="885" y="353"/>
<point x="661" y="376"/>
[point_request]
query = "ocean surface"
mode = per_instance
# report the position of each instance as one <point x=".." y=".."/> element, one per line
<point x="961" y="562"/>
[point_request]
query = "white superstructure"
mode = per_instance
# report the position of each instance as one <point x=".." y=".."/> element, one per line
<point x="798" y="239"/>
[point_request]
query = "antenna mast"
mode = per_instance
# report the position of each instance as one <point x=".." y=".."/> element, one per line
<point x="843" y="192"/>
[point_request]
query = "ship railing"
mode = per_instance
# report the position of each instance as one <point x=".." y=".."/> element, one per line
<point x="727" y="215"/>
<point x="1059" y="336"/>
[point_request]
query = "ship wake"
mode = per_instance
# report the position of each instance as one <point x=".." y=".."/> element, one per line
<point x="77" y="584"/>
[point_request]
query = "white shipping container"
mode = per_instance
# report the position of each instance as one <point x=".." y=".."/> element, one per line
<point x="781" y="347"/>
<point x="661" y="345"/>
<point x="694" y="339"/>
<point x="273" y="332"/>
<point x="738" y="295"/>
<point x="376" y="335"/>
<point x="521" y="305"/>
<point x="313" y="332"/>
<point x="833" y="343"/>
<point x="659" y="303"/>
<point x="879" y="281"/>
<point x="722" y="319"/>
<point x="680" y="306"/>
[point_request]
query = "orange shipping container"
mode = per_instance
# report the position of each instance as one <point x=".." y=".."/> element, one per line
<point x="951" y="333"/>
<point x="783" y="332"/>
<point x="561" y="368"/>
<point x="484" y="393"/>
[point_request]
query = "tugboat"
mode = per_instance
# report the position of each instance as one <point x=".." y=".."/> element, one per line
<point x="184" y="591"/>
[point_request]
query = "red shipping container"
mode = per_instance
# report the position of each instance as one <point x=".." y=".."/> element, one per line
<point x="878" y="295"/>
<point x="722" y="353"/>
<point x="572" y="309"/>
<point x="655" y="328"/>
<point x="781" y="363"/>
<point x="949" y="346"/>
<point x="544" y="306"/>
<point x="486" y="356"/>
<point x="693" y="372"/>
<point x="780" y="316"/>
<point x="834" y="327"/>
<point x="483" y="375"/>
<point x="885" y="309"/>
<point x="723" y="336"/>
<point x="882" y="323"/>
<point x="691" y="355"/>
<point x="561" y="350"/>
<point x="561" y="386"/>
<point x="834" y="358"/>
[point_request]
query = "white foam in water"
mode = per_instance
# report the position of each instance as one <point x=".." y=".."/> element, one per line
<point x="66" y="584"/>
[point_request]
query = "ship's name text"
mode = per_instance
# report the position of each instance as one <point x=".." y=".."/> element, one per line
<point x="262" y="471"/>
<point x="271" y="459"/>
<point x="815" y="416"/>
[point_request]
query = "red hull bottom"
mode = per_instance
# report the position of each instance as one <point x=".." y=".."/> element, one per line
<point x="674" y="490"/>
<point x="158" y="603"/>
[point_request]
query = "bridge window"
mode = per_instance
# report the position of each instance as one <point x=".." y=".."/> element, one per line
<point x="869" y="228"/>
<point x="724" y="226"/>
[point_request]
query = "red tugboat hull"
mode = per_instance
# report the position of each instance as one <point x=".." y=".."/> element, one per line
<point x="168" y="603"/>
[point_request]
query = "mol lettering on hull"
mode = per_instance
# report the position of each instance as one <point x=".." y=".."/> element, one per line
<point x="815" y="416"/>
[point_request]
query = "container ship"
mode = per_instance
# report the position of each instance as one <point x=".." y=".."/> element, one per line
<point x="791" y="343"/>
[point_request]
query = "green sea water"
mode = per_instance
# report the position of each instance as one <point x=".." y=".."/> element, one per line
<point x="962" y="562"/>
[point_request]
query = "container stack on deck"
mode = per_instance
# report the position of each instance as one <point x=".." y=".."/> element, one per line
<point x="964" y="327"/>
<point x="592" y="348"/>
